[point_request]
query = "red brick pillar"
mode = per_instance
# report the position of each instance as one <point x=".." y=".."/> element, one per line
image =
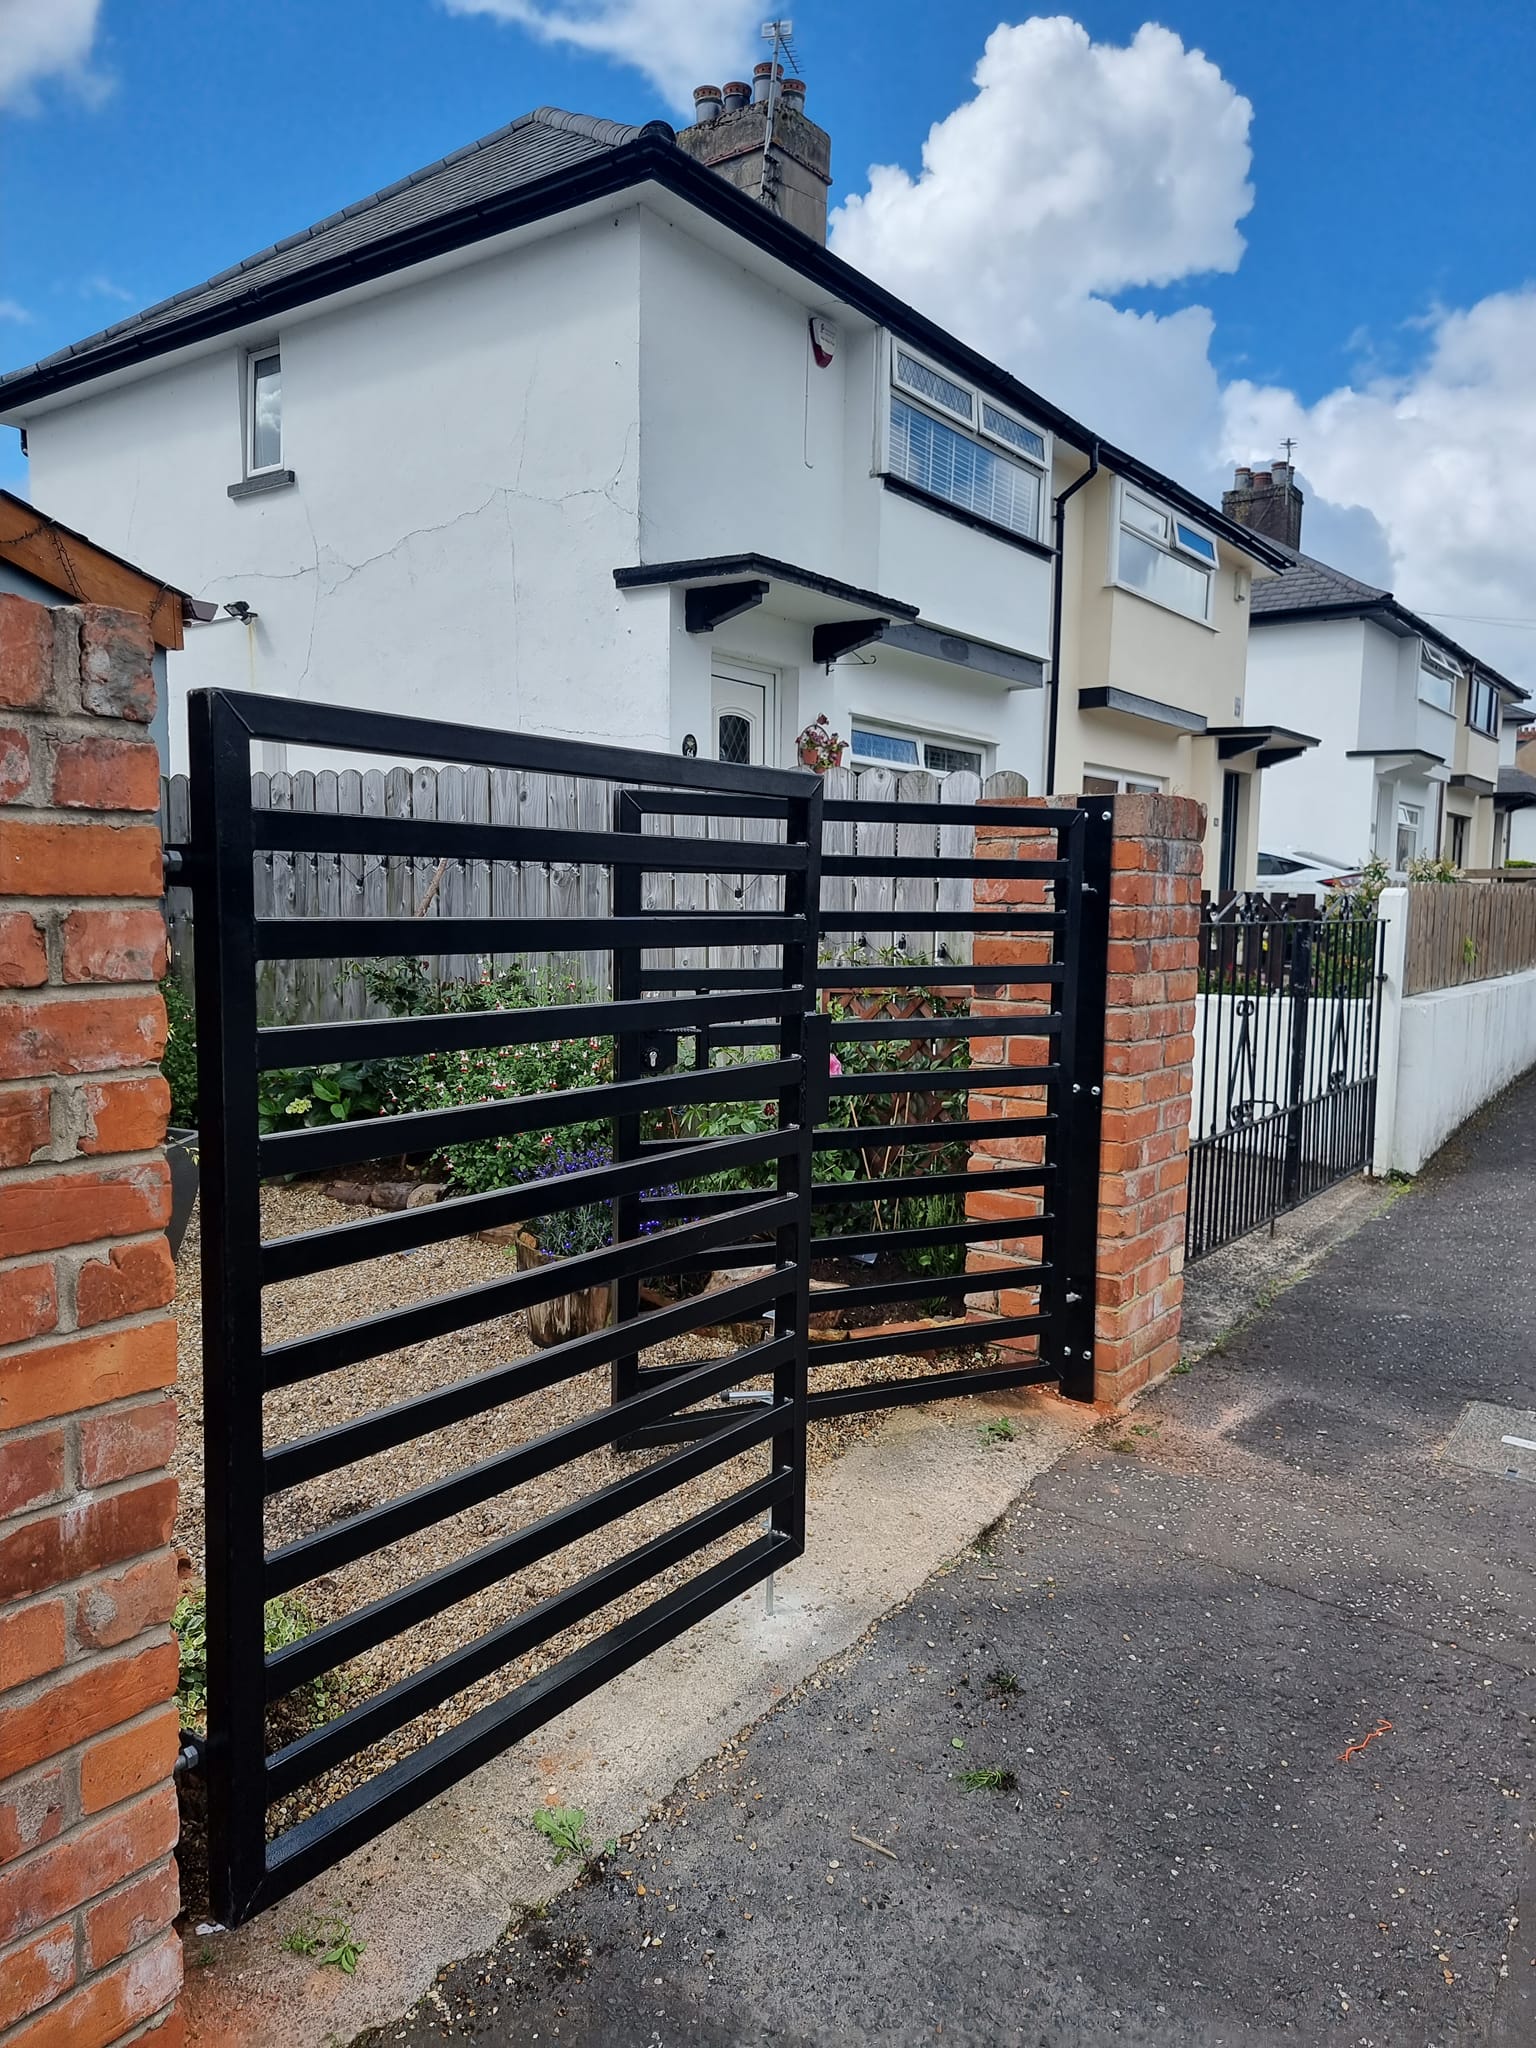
<point x="1149" y="1021"/>
<point x="88" y="1727"/>
<point x="1149" y="1065"/>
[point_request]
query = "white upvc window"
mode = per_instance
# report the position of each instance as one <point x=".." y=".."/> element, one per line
<point x="951" y="441"/>
<point x="1120" y="782"/>
<point x="1410" y="834"/>
<point x="264" y="411"/>
<point x="1162" y="556"/>
<point x="882" y="746"/>
<point x="1438" y="677"/>
<point x="1482" y="705"/>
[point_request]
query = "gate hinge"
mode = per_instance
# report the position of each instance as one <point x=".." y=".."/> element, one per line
<point x="192" y="1755"/>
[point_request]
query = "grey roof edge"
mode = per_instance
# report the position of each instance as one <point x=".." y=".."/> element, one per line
<point x="1517" y="789"/>
<point x="634" y="155"/>
<point x="1354" y="599"/>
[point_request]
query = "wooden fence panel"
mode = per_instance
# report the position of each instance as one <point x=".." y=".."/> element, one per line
<point x="372" y="885"/>
<point x="1460" y="932"/>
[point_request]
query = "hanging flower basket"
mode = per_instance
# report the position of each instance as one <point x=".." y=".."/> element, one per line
<point x="819" y="747"/>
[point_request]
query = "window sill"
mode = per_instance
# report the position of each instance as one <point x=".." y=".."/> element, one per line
<point x="903" y="489"/>
<point x="268" y="480"/>
<point x="1157" y="605"/>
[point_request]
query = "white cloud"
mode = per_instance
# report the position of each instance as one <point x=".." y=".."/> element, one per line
<point x="676" y="44"/>
<point x="11" y="309"/>
<point x="47" y="39"/>
<point x="1078" y="170"/>
<point x="99" y="287"/>
<point x="1443" y="457"/>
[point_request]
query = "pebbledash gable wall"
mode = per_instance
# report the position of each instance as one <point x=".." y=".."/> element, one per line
<point x="1149" y="1025"/>
<point x="88" y="1724"/>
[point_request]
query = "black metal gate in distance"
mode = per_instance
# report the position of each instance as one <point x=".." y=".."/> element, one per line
<point x="1287" y="1035"/>
<point x="752" y="1446"/>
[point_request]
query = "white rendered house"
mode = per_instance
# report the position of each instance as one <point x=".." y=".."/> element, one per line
<point x="1410" y="722"/>
<point x="584" y="431"/>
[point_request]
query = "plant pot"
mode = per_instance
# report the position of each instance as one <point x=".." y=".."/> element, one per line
<point x="181" y="1154"/>
<point x="568" y="1315"/>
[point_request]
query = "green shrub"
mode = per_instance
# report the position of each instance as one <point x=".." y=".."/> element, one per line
<point x="285" y="1620"/>
<point x="179" y="1064"/>
<point x="304" y="1098"/>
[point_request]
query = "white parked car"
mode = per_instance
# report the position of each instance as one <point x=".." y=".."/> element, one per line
<point x="1297" y="873"/>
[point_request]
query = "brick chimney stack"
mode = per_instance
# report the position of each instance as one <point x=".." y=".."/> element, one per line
<point x="1267" y="501"/>
<point x="789" y="174"/>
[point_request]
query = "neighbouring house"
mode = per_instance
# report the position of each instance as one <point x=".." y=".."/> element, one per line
<point x="1410" y="722"/>
<point x="583" y="430"/>
<point x="1514" y="837"/>
<point x="42" y="558"/>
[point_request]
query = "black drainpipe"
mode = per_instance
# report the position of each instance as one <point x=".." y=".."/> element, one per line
<point x="1087" y="477"/>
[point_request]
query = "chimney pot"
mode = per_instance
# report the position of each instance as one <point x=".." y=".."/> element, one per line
<point x="762" y="77"/>
<point x="706" y="103"/>
<point x="793" y="91"/>
<point x="737" y="93"/>
<point x="1268" y="501"/>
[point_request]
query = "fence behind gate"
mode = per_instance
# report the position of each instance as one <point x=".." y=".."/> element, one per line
<point x="1286" y="1031"/>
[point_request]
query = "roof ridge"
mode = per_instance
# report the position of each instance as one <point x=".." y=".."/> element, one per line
<point x="610" y="134"/>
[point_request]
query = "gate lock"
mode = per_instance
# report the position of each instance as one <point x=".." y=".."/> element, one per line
<point x="658" y="1051"/>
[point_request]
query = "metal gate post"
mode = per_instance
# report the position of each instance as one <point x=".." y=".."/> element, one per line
<point x="1296" y="1090"/>
<point x="1080" y="1101"/>
<point x="800" y="1036"/>
<point x="224" y="893"/>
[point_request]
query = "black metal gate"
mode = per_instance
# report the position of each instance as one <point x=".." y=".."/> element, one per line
<point x="1287" y="1027"/>
<point x="250" y="1864"/>
<point x="746" y="1048"/>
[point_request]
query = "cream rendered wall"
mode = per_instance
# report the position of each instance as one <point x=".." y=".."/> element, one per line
<point x="467" y="456"/>
<point x="1111" y="637"/>
<point x="1309" y="675"/>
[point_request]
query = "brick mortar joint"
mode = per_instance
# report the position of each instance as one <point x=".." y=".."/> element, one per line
<point x="81" y="1496"/>
<point x="82" y="1253"/>
<point x="141" y="1319"/>
<point x="92" y="1163"/>
<point x="153" y="1637"/>
<point x="79" y="1827"/>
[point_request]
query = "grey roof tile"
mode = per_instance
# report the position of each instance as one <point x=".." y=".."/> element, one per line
<point x="1310" y="585"/>
<point x="532" y="146"/>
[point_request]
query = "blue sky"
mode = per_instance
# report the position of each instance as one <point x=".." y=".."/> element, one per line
<point x="1393" y="159"/>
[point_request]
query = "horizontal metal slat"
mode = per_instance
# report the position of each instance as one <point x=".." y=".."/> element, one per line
<point x="856" y="1242"/>
<point x="399" y="938"/>
<point x="301" y="1358"/>
<point x="399" y="737"/>
<point x="942" y="1080"/>
<point x="874" y="976"/>
<point x="1005" y="922"/>
<point x="857" y="1139"/>
<point x="302" y="1045"/>
<point x="328" y="1450"/>
<point x="428" y="1130"/>
<point x="937" y="1386"/>
<point x="923" y="1286"/>
<point x="367" y="1627"/>
<point x="956" y="869"/>
<point x="1002" y="817"/>
<point x="375" y="1528"/>
<point x="402" y="1702"/>
<point x="829" y="1194"/>
<point x="876" y="1030"/>
<point x="938" y="1337"/>
<point x="346" y="832"/>
<point x="317" y="1842"/>
<point x="345" y="1244"/>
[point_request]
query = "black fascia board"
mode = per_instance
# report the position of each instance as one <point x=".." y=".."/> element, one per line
<point x="962" y="650"/>
<point x="643" y="575"/>
<point x="650" y="157"/>
<point x="1129" y="704"/>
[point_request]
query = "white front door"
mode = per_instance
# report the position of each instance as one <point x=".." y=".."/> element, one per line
<point x="741" y="703"/>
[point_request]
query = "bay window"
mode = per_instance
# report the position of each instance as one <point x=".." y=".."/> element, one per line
<point x="1163" y="557"/>
<point x="952" y="442"/>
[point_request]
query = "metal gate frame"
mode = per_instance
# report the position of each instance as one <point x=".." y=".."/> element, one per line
<point x="247" y="1871"/>
<point x="1294" y="1109"/>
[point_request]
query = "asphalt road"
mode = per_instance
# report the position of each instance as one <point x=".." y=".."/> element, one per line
<point x="1168" y="1647"/>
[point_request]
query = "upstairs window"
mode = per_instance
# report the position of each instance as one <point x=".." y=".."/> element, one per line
<point x="1163" y="557"/>
<point x="264" y="412"/>
<point x="948" y="441"/>
<point x="1482" y="705"/>
<point x="1438" y="677"/>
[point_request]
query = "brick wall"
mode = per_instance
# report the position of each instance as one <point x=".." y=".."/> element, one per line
<point x="88" y="1727"/>
<point x="1154" y="926"/>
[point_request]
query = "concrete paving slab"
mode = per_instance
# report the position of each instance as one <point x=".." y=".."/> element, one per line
<point x="448" y="1881"/>
<point x="1497" y="1440"/>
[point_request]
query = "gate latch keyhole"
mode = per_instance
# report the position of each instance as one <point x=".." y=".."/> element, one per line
<point x="658" y="1051"/>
